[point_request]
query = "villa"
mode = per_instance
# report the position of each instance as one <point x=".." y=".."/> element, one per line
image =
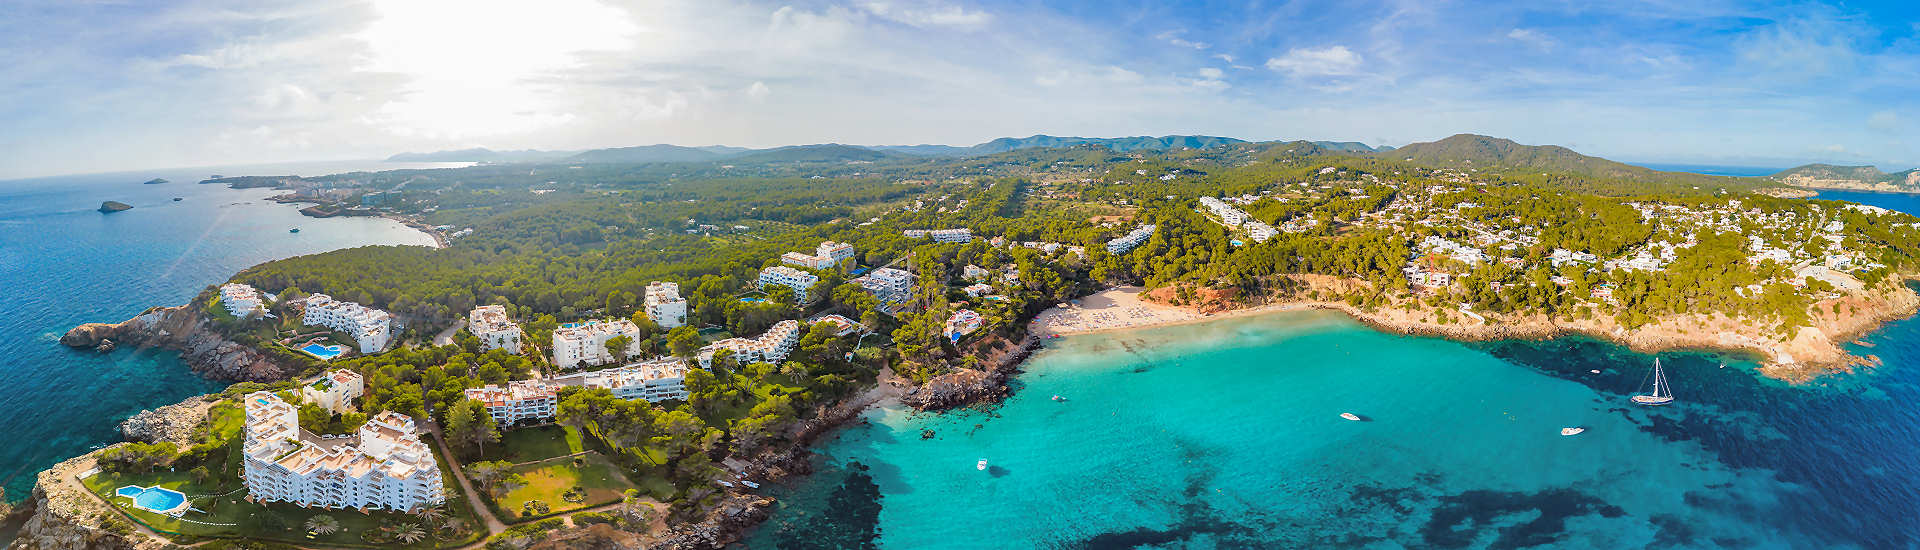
<point x="335" y="390"/>
<point x="495" y="331"/>
<point x="576" y="344"/>
<point x="842" y="326"/>
<point x="384" y="466"/>
<point x="371" y="328"/>
<point x="962" y="323"/>
<point x="771" y="347"/>
<point x="241" y="300"/>
<point x="800" y="281"/>
<point x="664" y="304"/>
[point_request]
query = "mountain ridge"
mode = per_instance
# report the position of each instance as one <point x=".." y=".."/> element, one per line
<point x="1857" y="178"/>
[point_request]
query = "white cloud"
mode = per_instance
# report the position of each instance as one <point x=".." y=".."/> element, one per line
<point x="1173" y="37"/>
<point x="1533" y="38"/>
<point x="1310" y="62"/>
<point x="758" y="91"/>
<point x="1213" y="73"/>
<point x="928" y="14"/>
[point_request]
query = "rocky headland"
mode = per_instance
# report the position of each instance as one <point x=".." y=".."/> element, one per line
<point x="183" y="329"/>
<point x="64" y="516"/>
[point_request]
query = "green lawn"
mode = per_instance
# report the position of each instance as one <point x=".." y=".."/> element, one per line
<point x="537" y="443"/>
<point x="548" y="481"/>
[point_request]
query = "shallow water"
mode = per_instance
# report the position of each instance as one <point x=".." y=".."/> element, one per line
<point x="1227" y="434"/>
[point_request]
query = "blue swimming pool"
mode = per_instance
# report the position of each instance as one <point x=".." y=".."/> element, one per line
<point x="153" y="499"/>
<point x="323" y="352"/>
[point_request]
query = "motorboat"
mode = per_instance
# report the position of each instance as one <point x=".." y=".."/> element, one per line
<point x="982" y="465"/>
<point x="1350" y="416"/>
<point x="1572" y="431"/>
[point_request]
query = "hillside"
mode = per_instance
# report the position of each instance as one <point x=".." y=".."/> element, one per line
<point x="647" y="153"/>
<point x="1859" y="178"/>
<point x="480" y="154"/>
<point x="1005" y="144"/>
<point x="831" y="152"/>
<point x="1549" y="162"/>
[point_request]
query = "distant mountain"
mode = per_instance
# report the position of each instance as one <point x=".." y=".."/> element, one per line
<point x="1861" y="178"/>
<point x="1351" y="147"/>
<point x="830" y="152"/>
<point x="1002" y="145"/>
<point x="653" y="153"/>
<point x="480" y="154"/>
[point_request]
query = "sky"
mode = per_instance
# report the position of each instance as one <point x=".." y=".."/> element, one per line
<point x="108" y="85"/>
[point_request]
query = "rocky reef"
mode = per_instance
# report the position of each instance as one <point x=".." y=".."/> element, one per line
<point x="182" y="329"/>
<point x="173" y="423"/>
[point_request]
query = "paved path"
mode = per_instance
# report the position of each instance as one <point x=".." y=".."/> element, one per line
<point x="445" y="337"/>
<point x="494" y="525"/>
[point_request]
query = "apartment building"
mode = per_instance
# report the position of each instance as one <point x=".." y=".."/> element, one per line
<point x="495" y="331"/>
<point x="800" y="281"/>
<point x="520" y="400"/>
<point x="370" y="328"/>
<point x="770" y="347"/>
<point x="829" y="255"/>
<point x="1131" y="240"/>
<point x="577" y="344"/>
<point x="241" y="300"/>
<point x="653" y="380"/>
<point x="959" y="235"/>
<point x="889" y="285"/>
<point x="384" y="466"/>
<point x="664" y="304"/>
<point x="335" y="390"/>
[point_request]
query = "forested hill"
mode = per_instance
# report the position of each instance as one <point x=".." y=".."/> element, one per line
<point x="480" y="154"/>
<point x="1850" y="177"/>
<point x="1551" y="163"/>
<point x="651" y="153"/>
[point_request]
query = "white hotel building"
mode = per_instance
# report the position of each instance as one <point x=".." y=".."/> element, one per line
<point x="800" y="281"/>
<point x="538" y="400"/>
<point x="828" y="255"/>
<point x="664" y="304"/>
<point x="241" y="300"/>
<point x="384" y="467"/>
<point x="771" y="347"/>
<point x="335" y="390"/>
<point x="1131" y="240"/>
<point x="576" y="344"/>
<point x="495" y="331"/>
<point x="371" y="328"/>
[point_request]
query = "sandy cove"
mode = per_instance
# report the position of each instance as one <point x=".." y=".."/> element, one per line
<point x="1810" y="352"/>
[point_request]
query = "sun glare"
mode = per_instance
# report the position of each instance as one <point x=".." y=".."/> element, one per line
<point x="476" y="68"/>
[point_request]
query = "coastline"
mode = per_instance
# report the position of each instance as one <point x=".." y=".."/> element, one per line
<point x="1810" y="352"/>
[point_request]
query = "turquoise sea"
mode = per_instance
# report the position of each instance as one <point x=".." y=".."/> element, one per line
<point x="62" y="264"/>
<point x="1226" y="435"/>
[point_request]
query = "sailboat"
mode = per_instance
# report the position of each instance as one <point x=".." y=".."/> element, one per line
<point x="1661" y="393"/>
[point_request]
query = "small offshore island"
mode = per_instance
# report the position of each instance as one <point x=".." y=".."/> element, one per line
<point x="621" y="353"/>
<point x="110" y="207"/>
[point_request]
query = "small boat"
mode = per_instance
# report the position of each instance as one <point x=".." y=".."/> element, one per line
<point x="1058" y="398"/>
<point x="723" y="483"/>
<point x="1595" y="371"/>
<point x="982" y="465"/>
<point x="177" y="199"/>
<point x="294" y="230"/>
<point x="1350" y="416"/>
<point x="1661" y="393"/>
<point x="749" y="484"/>
<point x="1572" y="431"/>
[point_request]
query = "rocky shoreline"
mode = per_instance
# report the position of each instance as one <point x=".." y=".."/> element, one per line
<point x="182" y="329"/>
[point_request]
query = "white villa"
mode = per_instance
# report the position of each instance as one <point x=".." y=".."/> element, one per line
<point x="371" y="328"/>
<point x="519" y="400"/>
<point x="495" y="330"/>
<point x="664" y="304"/>
<point x="335" y="390"/>
<point x="828" y="255"/>
<point x="1133" y="239"/>
<point x="962" y="323"/>
<point x="771" y="347"/>
<point x="385" y="466"/>
<point x="241" y="300"/>
<point x="800" y="281"/>
<point x="576" y="344"/>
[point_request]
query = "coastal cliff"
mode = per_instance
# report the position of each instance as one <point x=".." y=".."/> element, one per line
<point x="65" y="517"/>
<point x="182" y="329"/>
<point x="966" y="386"/>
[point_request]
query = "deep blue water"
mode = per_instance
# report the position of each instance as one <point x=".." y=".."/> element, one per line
<point x="1226" y="435"/>
<point x="62" y="264"/>
<point x="1904" y="202"/>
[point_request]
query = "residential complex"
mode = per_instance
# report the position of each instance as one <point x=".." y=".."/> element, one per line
<point x="241" y="300"/>
<point x="370" y="328"/>
<point x="384" y="466"/>
<point x="891" y="286"/>
<point x="664" y="304"/>
<point x="577" y="344"/>
<point x="800" y="281"/>
<point x="828" y="255"/>
<point x="495" y="331"/>
<point x="335" y="390"/>
<point x="771" y="347"/>
<point x="961" y="235"/>
<point x="538" y="400"/>
<point x="519" y="400"/>
<point x="1131" y="240"/>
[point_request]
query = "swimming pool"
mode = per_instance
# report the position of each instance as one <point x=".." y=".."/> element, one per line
<point x="155" y="499"/>
<point x="324" y="352"/>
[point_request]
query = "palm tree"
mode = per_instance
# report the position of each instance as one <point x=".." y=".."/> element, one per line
<point x="409" y="533"/>
<point x="431" y="516"/>
<point x="323" y="525"/>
